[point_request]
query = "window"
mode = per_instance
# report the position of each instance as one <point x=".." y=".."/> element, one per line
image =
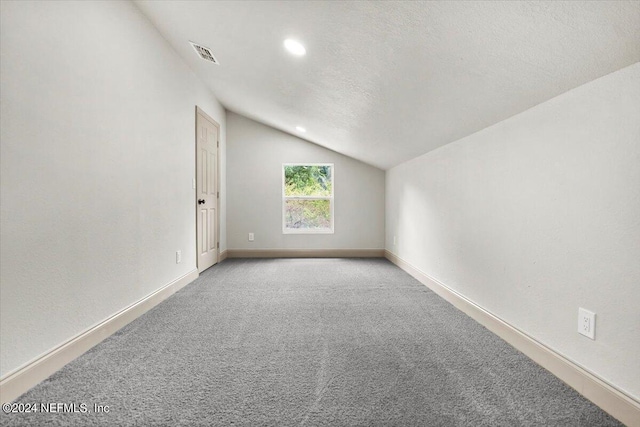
<point x="307" y="198"/>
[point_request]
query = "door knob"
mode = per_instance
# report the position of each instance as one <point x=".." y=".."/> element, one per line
<point x="201" y="201"/>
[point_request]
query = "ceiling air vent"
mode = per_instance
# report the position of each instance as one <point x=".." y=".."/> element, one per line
<point x="204" y="53"/>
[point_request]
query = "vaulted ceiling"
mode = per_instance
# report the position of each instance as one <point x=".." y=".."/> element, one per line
<point x="384" y="82"/>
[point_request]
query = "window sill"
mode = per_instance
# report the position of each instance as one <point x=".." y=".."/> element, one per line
<point x="308" y="231"/>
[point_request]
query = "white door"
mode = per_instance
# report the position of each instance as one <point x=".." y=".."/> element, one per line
<point x="206" y="190"/>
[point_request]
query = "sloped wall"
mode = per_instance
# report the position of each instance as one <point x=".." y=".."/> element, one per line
<point x="536" y="216"/>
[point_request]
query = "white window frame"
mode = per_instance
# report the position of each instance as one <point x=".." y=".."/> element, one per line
<point x="286" y="230"/>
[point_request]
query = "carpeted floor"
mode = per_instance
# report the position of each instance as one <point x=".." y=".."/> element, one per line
<point x="308" y="342"/>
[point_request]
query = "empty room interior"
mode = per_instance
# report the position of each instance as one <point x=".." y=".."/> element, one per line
<point x="320" y="213"/>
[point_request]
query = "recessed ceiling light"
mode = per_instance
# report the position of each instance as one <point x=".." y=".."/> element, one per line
<point x="295" y="47"/>
<point x="300" y="129"/>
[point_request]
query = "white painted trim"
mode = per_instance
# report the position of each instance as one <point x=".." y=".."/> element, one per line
<point x="22" y="379"/>
<point x="617" y="403"/>
<point x="305" y="253"/>
<point x="223" y="255"/>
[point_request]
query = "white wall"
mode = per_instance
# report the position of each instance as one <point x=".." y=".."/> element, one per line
<point x="536" y="216"/>
<point x="255" y="156"/>
<point x="97" y="157"/>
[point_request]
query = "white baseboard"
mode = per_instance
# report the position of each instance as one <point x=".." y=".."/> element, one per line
<point x="305" y="253"/>
<point x="22" y="379"/>
<point x="621" y="406"/>
<point x="615" y="402"/>
<point x="223" y="255"/>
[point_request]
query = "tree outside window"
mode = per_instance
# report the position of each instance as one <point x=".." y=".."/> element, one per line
<point x="307" y="198"/>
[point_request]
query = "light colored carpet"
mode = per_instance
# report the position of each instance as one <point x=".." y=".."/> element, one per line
<point x="308" y="342"/>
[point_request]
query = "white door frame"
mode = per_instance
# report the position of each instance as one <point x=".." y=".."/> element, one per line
<point x="195" y="177"/>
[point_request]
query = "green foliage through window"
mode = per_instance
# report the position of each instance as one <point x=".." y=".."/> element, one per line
<point x="303" y="180"/>
<point x="308" y="213"/>
<point x="308" y="191"/>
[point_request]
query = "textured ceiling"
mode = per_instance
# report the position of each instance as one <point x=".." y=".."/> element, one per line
<point x="384" y="82"/>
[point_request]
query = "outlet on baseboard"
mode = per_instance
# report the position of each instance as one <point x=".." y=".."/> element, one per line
<point x="587" y="323"/>
<point x="178" y="257"/>
<point x="251" y="237"/>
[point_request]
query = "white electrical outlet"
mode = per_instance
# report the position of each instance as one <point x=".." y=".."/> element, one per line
<point x="178" y="257"/>
<point x="394" y="240"/>
<point x="251" y="237"/>
<point x="587" y="323"/>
